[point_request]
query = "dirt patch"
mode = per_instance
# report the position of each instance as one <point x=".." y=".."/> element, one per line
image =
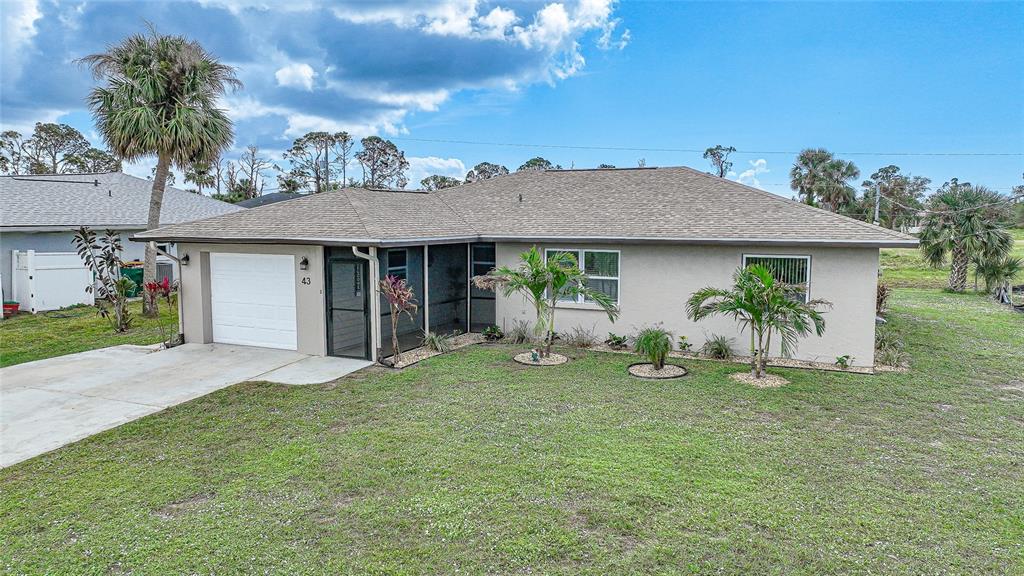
<point x="1014" y="385"/>
<point x="549" y="360"/>
<point x="766" y="381"/>
<point x="184" y="506"/>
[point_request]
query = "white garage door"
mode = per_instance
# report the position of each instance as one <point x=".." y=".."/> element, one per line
<point x="253" y="299"/>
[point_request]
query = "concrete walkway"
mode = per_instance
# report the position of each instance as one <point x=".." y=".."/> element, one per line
<point x="49" y="403"/>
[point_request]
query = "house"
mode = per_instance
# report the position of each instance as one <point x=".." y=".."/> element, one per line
<point x="40" y="212"/>
<point x="302" y="274"/>
<point x="271" y="198"/>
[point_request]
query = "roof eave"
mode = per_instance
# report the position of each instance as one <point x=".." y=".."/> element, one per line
<point x="380" y="242"/>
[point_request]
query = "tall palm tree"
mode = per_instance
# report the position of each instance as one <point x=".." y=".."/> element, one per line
<point x="763" y="305"/>
<point x="809" y="172"/>
<point x="964" y="221"/>
<point x="543" y="282"/>
<point x="835" y="190"/>
<point x="159" y="98"/>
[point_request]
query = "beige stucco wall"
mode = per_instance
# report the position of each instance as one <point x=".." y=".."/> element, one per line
<point x="655" y="282"/>
<point x="311" y="334"/>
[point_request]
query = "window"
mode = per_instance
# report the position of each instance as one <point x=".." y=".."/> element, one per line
<point x="795" y="270"/>
<point x="601" y="268"/>
<point x="398" y="260"/>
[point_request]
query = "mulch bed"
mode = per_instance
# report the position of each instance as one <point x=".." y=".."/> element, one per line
<point x="646" y="370"/>
<point x="549" y="360"/>
<point x="415" y="355"/>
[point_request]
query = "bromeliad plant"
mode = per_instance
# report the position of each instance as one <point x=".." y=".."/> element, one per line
<point x="402" y="300"/>
<point x="542" y="282"/>
<point x="103" y="258"/>
<point x="763" y="305"/>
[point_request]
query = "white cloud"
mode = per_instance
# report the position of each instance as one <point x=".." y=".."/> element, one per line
<point x="421" y="167"/>
<point x="296" y="75"/>
<point x="19" y="28"/>
<point x="749" y="176"/>
<point x="497" y="22"/>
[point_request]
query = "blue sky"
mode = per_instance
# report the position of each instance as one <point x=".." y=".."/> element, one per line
<point x="763" y="77"/>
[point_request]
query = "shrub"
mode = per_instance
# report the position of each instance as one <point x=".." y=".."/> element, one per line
<point x="521" y="333"/>
<point x="493" y="333"/>
<point x="889" y="347"/>
<point x="580" y="337"/>
<point x="717" y="346"/>
<point x="882" y="298"/>
<point x="655" y="343"/>
<point x="844" y="361"/>
<point x="438" y="342"/>
<point x="615" y="341"/>
<point x="684" y="344"/>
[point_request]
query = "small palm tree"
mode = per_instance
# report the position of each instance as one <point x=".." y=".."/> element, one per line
<point x="401" y="300"/>
<point x="159" y="98"/>
<point x="763" y="305"/>
<point x="542" y="282"/>
<point x="963" y="221"/>
<point x="999" y="274"/>
<point x="836" y="192"/>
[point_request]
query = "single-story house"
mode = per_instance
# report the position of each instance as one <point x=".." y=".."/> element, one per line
<point x="303" y="274"/>
<point x="39" y="213"/>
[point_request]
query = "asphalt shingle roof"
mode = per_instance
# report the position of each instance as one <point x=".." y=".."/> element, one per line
<point x="651" y="204"/>
<point x="108" y="200"/>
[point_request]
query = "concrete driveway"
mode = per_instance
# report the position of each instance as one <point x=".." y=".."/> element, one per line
<point x="49" y="403"/>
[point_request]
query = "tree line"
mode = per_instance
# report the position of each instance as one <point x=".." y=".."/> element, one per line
<point x="52" y="149"/>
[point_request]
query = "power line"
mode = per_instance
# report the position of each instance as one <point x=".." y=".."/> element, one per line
<point x="693" y="150"/>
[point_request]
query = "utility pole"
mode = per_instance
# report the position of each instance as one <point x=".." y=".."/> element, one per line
<point x="878" y="200"/>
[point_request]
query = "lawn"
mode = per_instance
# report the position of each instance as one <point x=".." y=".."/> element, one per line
<point x="28" y="337"/>
<point x="905" y="267"/>
<point x="470" y="463"/>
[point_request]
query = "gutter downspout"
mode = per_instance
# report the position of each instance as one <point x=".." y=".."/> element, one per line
<point x="374" y="298"/>
<point x="181" y="288"/>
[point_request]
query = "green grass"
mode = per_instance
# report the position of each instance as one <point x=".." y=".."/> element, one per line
<point x="471" y="463"/>
<point x="28" y="337"/>
<point x="904" y="267"/>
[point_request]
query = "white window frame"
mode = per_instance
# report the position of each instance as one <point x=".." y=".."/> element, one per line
<point x="580" y="263"/>
<point x="807" y="257"/>
<point x="404" y="268"/>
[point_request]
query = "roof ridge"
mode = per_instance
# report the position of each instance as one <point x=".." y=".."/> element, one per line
<point x="776" y="197"/>
<point x="359" y="218"/>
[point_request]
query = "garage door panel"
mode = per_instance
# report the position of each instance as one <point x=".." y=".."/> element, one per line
<point x="253" y="299"/>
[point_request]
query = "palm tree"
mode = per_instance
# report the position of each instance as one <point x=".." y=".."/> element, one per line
<point x="835" y="190"/>
<point x="963" y="221"/>
<point x="201" y="174"/>
<point x="808" y="173"/>
<point x="543" y="282"/>
<point x="763" y="305"/>
<point x="159" y="98"/>
<point x="999" y="273"/>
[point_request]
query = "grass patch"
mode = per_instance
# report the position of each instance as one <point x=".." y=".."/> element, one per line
<point x="475" y="464"/>
<point x="28" y="337"/>
<point x="904" y="267"/>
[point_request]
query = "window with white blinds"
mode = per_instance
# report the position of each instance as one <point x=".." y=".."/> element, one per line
<point x="794" y="270"/>
<point x="601" y="268"/>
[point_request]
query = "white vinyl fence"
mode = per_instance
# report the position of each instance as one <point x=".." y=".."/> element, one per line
<point x="43" y="281"/>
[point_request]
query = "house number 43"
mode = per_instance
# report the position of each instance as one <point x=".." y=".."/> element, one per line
<point x="306" y="280"/>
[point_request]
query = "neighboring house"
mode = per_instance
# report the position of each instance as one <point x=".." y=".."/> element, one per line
<point x="265" y="199"/>
<point x="303" y="274"/>
<point x="41" y="212"/>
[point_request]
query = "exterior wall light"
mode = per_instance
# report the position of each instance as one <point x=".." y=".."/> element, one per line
<point x="304" y="263"/>
<point x="184" y="260"/>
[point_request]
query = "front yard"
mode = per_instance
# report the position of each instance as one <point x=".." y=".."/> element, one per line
<point x="27" y="337"/>
<point x="470" y="463"/>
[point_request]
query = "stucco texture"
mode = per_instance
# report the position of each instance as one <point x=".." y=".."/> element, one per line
<point x="656" y="280"/>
